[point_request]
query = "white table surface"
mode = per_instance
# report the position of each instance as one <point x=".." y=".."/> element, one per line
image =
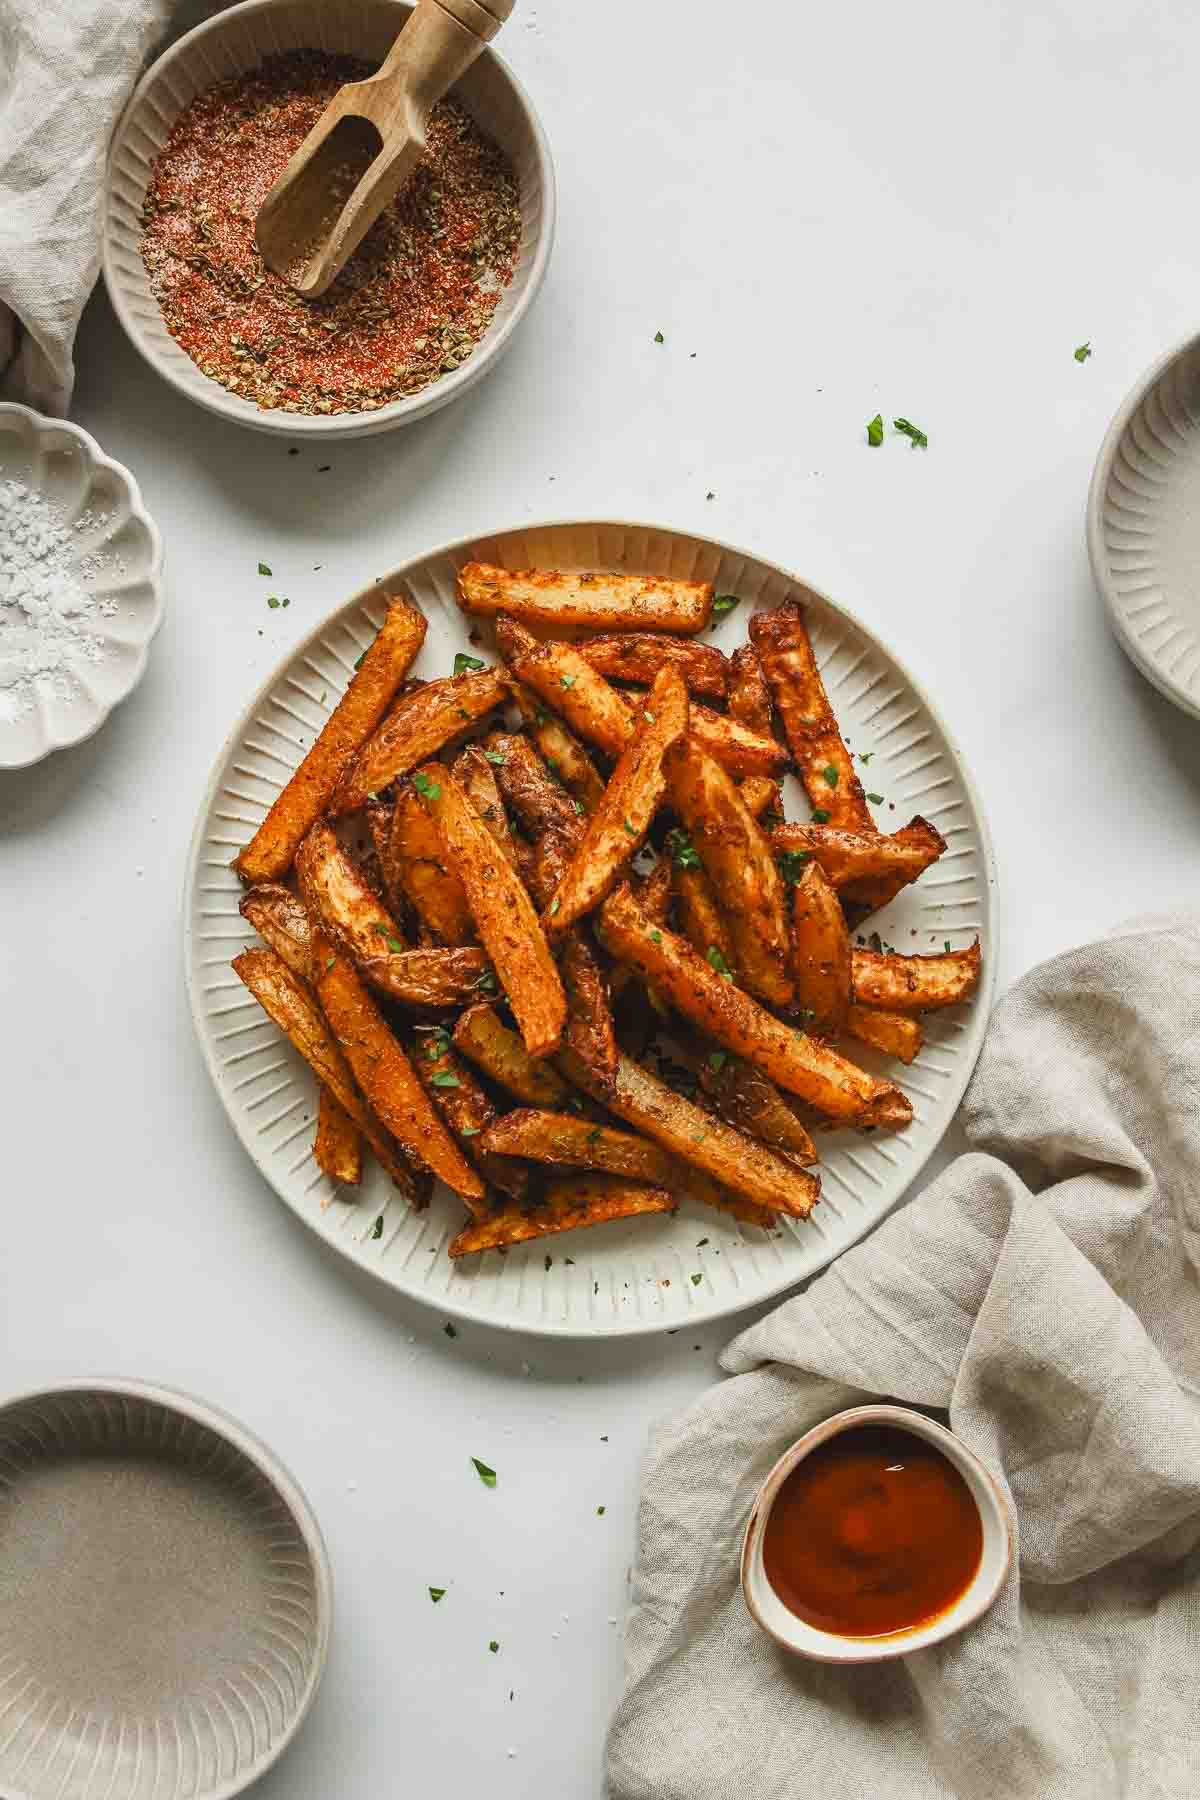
<point x="838" y="210"/>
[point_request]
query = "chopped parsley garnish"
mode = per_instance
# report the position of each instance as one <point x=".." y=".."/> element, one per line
<point x="487" y="982"/>
<point x="631" y="831"/>
<point x="659" y="338"/>
<point x="947" y="943"/>
<point x="717" y="961"/>
<point x="725" y="603"/>
<point x="656" y="937"/>
<point x="263" y="569"/>
<point x="791" y="864"/>
<point x="494" y="1646"/>
<point x="864" y="756"/>
<point x="578" y="805"/>
<point x="450" y="1330"/>
<point x="600" y="1512"/>
<point x="463" y="662"/>
<point x="717" y="1061"/>
<point x="360" y="660"/>
<point x="875" y="799"/>
<point x="1083" y="352"/>
<point x="468" y="1131"/>
<point x="593" y="1136"/>
<point x="486" y="1475"/>
<point x="700" y="1243"/>
<point x="875" y="431"/>
<point x="541" y="716"/>
<point x="495" y="756"/>
<point x="273" y="602"/>
<point x="568" y="681"/>
<point x="392" y="943"/>
<point x="549" y="1263"/>
<point x="554" y="905"/>
<point x="678" y="846"/>
<point x="830" y="775"/>
<point x="423" y="785"/>
<point x="445" y="1079"/>
<point x="377" y="1227"/>
<point x="330" y="964"/>
<point x="820" y="816"/>
<point x="648" y="716"/>
<point x="436" y="1594"/>
<point x="696" y="1280"/>
<point x="913" y="432"/>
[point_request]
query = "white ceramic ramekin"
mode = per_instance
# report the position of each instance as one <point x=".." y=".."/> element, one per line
<point x="768" y="1610"/>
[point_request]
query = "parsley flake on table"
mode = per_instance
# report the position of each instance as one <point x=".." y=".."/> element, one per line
<point x="717" y="961"/>
<point x="436" y="1594"/>
<point x="486" y="1475"/>
<point x="1082" y="353"/>
<point x="875" y="431"/>
<point x="600" y="1511"/>
<point x="549" y="1263"/>
<point x="820" y="816"/>
<point x="377" y="1228"/>
<point x="725" y="603"/>
<point x="494" y="1646"/>
<point x="449" y="1329"/>
<point x="696" y="1280"/>
<point x="263" y="569"/>
<point x="875" y="799"/>
<point x="830" y="775"/>
<point x="273" y="602"/>
<point x="915" y="435"/>
<point x="659" y="338"/>
<point x="864" y="756"/>
<point x="463" y="662"/>
<point x="423" y="785"/>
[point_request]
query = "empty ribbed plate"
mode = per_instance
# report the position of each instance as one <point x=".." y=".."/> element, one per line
<point x="1144" y="526"/>
<point x="651" y="1272"/>
<point x="164" y="1599"/>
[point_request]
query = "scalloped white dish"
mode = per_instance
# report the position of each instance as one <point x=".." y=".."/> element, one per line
<point x="650" y="1273"/>
<point x="118" y="556"/>
<point x="1143" y="525"/>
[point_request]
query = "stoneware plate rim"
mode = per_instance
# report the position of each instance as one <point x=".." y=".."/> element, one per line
<point x="97" y="458"/>
<point x="276" y="1473"/>
<point x="706" y="1307"/>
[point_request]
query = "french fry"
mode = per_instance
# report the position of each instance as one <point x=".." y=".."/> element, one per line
<point x="337" y="1147"/>
<point x="896" y="1034"/>
<point x="824" y="764"/>
<point x="568" y="1205"/>
<point x="590" y="1032"/>
<point x="565" y="756"/>
<point x="540" y="804"/>
<point x="798" y="1063"/>
<point x="738" y="861"/>
<point x="289" y="1003"/>
<point x="749" y="695"/>
<point x="417" y="727"/>
<point x="861" y="898"/>
<point x="601" y="602"/>
<point x="637" y="656"/>
<point x="499" y="1052"/>
<point x="915" y="984"/>
<point x="700" y="918"/>
<point x="742" y="751"/>
<point x="380" y="819"/>
<point x="748" y="1212"/>
<point x="388" y="1080"/>
<point x="741" y="1164"/>
<point x="552" y="1137"/>
<point x="474" y="772"/>
<point x="384" y="666"/>
<point x="743" y="1096"/>
<point x="852" y="860"/>
<point x="822" y="954"/>
<point x="417" y="860"/>
<point x="358" y="923"/>
<point x="617" y="829"/>
<point x="761" y="796"/>
<point x="467" y="1112"/>
<point x="502" y="910"/>
<point x="281" y="919"/>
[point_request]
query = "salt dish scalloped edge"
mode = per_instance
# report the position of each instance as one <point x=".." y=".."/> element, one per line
<point x="66" y="465"/>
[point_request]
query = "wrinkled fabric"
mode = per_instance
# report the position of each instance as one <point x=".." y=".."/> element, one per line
<point x="67" y="68"/>
<point x="1045" y="1292"/>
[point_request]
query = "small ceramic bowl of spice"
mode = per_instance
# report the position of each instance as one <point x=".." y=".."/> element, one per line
<point x="877" y="1534"/>
<point x="425" y="306"/>
<point x="81" y="592"/>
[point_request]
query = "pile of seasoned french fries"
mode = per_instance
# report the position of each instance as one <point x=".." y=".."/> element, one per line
<point x="543" y="933"/>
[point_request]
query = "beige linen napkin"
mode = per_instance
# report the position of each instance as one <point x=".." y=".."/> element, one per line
<point x="1046" y="1292"/>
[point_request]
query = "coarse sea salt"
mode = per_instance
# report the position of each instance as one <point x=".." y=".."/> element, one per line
<point x="47" y="607"/>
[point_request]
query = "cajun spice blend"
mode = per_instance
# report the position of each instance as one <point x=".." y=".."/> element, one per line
<point x="411" y="303"/>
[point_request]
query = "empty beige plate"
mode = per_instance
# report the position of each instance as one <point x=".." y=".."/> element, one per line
<point x="164" y="1598"/>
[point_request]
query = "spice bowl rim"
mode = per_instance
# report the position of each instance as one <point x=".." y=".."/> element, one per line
<point x="229" y="26"/>
<point x="996" y="1519"/>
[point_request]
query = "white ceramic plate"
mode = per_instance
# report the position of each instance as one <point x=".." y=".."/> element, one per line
<point x="119" y="548"/>
<point x="1143" y="526"/>
<point x="637" y="1275"/>
<point x="165" y="1598"/>
<point x="235" y="40"/>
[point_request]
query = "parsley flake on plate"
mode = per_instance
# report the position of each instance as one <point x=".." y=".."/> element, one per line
<point x="377" y="1227"/>
<point x="725" y="603"/>
<point x="875" y="431"/>
<point x="1082" y="353"/>
<point x="659" y="338"/>
<point x="436" y="1594"/>
<point x="494" y="1646"/>
<point x="696" y="1280"/>
<point x="449" y="1329"/>
<point x="600" y="1511"/>
<point x="875" y="799"/>
<point x="359" y="661"/>
<point x="263" y="569"/>
<point x="486" y="1475"/>
<point x="913" y="432"/>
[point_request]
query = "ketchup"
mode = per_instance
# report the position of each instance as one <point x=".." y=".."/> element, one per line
<point x="874" y="1532"/>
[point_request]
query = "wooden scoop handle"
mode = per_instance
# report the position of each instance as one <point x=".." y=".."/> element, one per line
<point x="439" y="43"/>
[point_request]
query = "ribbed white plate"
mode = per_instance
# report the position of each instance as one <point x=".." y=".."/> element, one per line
<point x="165" y="1598"/>
<point x="234" y="41"/>
<point x="1143" y="526"/>
<point x="117" y="537"/>
<point x="637" y="1275"/>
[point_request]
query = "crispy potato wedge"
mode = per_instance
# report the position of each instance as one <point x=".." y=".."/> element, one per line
<point x="503" y="912"/>
<point x="748" y="1212"/>
<point x="565" y="756"/>
<point x="540" y="804"/>
<point x="357" y="922"/>
<point x="761" y="797"/>
<point x="388" y="1080"/>
<point x="794" y="1061"/>
<point x="281" y="919"/>
<point x="499" y="1052"/>
<point x="380" y="817"/>
<point x="742" y="751"/>
<point x="337" y="1147"/>
<point x="474" y="772"/>
<point x="369" y="694"/>
<point x="568" y="685"/>
<point x="590" y="1031"/>
<point x="915" y="984"/>
<point x="853" y="861"/>
<point x="822" y="954"/>
<point x="617" y="829"/>
<point x="870" y="894"/>
<point x="567" y="1205"/>
<point x="700" y="918"/>
<point x="417" y="727"/>
<point x="738" y="861"/>
<point x="600" y="602"/>
<point x="552" y="1137"/>
<point x="749" y="695"/>
<point x="467" y="1112"/>
<point x="743" y="1165"/>
<point x="896" y="1034"/>
<point x="653" y="892"/>
<point x="824" y="764"/>
<point x="637" y="656"/>
<point x="290" y="1005"/>
<point x="743" y="1096"/>
<point x="418" y="864"/>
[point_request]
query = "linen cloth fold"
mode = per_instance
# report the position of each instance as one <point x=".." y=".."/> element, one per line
<point x="67" y="68"/>
<point x="1045" y="1291"/>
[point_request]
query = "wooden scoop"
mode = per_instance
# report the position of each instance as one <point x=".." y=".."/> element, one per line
<point x="367" y="142"/>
